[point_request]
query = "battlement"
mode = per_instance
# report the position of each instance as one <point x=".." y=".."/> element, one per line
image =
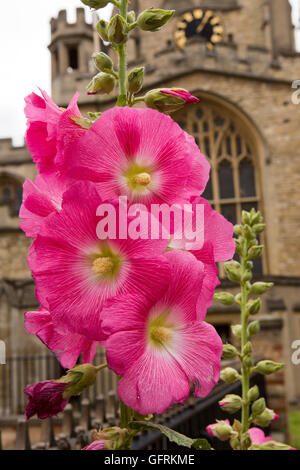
<point x="60" y="25"/>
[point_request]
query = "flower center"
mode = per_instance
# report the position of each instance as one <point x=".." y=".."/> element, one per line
<point x="160" y="335"/>
<point x="103" y="265"/>
<point x="142" y="179"/>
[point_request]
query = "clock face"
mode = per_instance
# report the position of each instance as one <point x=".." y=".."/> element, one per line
<point x="199" y="23"/>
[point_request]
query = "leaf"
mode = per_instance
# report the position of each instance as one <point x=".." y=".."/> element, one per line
<point x="82" y="122"/>
<point x="173" y="436"/>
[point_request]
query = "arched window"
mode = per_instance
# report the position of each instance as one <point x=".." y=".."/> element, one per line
<point x="226" y="141"/>
<point x="11" y="193"/>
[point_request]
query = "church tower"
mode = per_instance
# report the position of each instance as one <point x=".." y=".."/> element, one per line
<point x="71" y="47"/>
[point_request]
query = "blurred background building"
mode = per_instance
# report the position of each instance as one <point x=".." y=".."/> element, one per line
<point x="239" y="58"/>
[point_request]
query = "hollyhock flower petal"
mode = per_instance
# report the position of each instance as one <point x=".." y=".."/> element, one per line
<point x="96" y="445"/>
<point x="199" y="174"/>
<point x="66" y="346"/>
<point x="45" y="399"/>
<point x="138" y="153"/>
<point x="159" y="347"/>
<point x="49" y="130"/>
<point x="40" y="199"/>
<point x="65" y="264"/>
<point x="258" y="436"/>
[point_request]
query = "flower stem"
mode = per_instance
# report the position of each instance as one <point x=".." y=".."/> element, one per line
<point x="244" y="340"/>
<point x="122" y="51"/>
<point x="126" y="415"/>
<point x="100" y="367"/>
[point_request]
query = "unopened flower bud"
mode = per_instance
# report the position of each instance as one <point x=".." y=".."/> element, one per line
<point x="224" y="298"/>
<point x="135" y="80"/>
<point x="245" y="441"/>
<point x="258" y="228"/>
<point x="247" y="348"/>
<point x="274" y="445"/>
<point x="102" y="61"/>
<point x="246" y="217"/>
<point x="229" y="351"/>
<point x="248" y="232"/>
<point x="258" y="407"/>
<point x="255" y="217"/>
<point x="231" y="403"/>
<point x="131" y="17"/>
<point x="102" y="83"/>
<point x="253" y="328"/>
<point x="235" y="443"/>
<point x="78" y="379"/>
<point x="255" y="252"/>
<point x="247" y="275"/>
<point x="248" y="361"/>
<point x="236" y="330"/>
<point x="253" y="306"/>
<point x="229" y="375"/>
<point x="169" y="100"/>
<point x="96" y="4"/>
<point x="238" y="230"/>
<point x="265" y="418"/>
<point x="221" y="430"/>
<point x="253" y="393"/>
<point x="261" y="287"/>
<point x="233" y="271"/>
<point x="102" y="27"/>
<point x="117" y="30"/>
<point x="268" y="367"/>
<point x="154" y="19"/>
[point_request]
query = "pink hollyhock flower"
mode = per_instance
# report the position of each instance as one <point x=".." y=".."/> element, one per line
<point x="160" y="347"/>
<point x="96" y="445"/>
<point x="182" y="94"/>
<point x="49" y="129"/>
<point x="138" y="153"/>
<point x="258" y="436"/>
<point x="76" y="272"/>
<point x="45" y="399"/>
<point x="66" y="346"/>
<point x="40" y="199"/>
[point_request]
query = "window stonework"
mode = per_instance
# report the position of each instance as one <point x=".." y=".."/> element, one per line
<point x="233" y="184"/>
<point x="11" y="192"/>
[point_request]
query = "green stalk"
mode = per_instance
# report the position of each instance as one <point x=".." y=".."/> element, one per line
<point x="244" y="340"/>
<point x="125" y="415"/>
<point x="122" y="51"/>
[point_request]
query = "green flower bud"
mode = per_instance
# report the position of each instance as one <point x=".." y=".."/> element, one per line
<point x="224" y="298"/>
<point x="247" y="276"/>
<point x="96" y="4"/>
<point x="162" y="102"/>
<point x="255" y="217"/>
<point x="239" y="246"/>
<point x="135" y="80"/>
<point x="248" y="361"/>
<point x="253" y="306"/>
<point x="265" y="418"/>
<point x="154" y="19"/>
<point x="274" y="445"/>
<point x="231" y="403"/>
<point x="131" y="17"/>
<point x="253" y="393"/>
<point x="229" y="375"/>
<point x="117" y="30"/>
<point x="238" y="230"/>
<point x="247" y="348"/>
<point x="79" y="378"/>
<point x="233" y="271"/>
<point x="229" y="351"/>
<point x="236" y="330"/>
<point x="246" y="217"/>
<point x="258" y="407"/>
<point x="268" y="367"/>
<point x="245" y="441"/>
<point x="248" y="232"/>
<point x="102" y="27"/>
<point x="258" y="228"/>
<point x="255" y="252"/>
<point x="261" y="287"/>
<point x="102" y="61"/>
<point x="253" y="328"/>
<point x="235" y="443"/>
<point x="102" y="83"/>
<point x="221" y="430"/>
<point x="238" y="298"/>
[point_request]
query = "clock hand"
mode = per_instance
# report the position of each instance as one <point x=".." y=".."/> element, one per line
<point x="200" y="27"/>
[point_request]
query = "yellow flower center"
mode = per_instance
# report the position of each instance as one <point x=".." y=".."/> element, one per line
<point x="160" y="335"/>
<point x="103" y="265"/>
<point x="161" y="330"/>
<point x="142" y="179"/>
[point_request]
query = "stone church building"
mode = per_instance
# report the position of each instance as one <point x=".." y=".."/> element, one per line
<point x="245" y="123"/>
